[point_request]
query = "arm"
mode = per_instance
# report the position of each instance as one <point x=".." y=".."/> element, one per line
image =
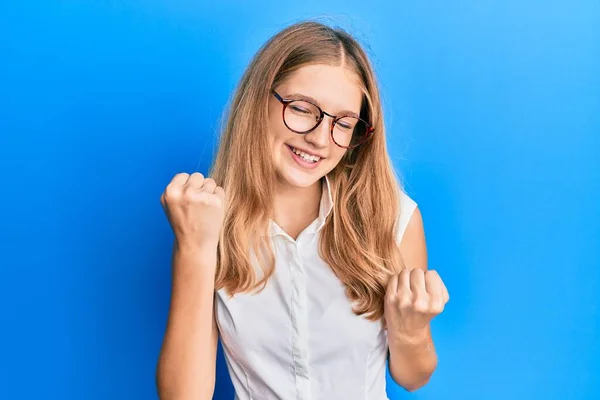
<point x="412" y="355"/>
<point x="186" y="366"/>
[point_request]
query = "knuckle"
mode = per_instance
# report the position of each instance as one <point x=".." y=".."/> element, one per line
<point x="391" y="299"/>
<point x="405" y="303"/>
<point x="437" y="307"/>
<point x="191" y="196"/>
<point x="420" y="306"/>
<point x="172" y="192"/>
<point x="431" y="275"/>
<point x="186" y="191"/>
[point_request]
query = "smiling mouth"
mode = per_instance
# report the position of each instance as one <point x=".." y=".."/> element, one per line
<point x="305" y="156"/>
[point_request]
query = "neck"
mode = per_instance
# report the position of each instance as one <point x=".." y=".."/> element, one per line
<point x="294" y="205"/>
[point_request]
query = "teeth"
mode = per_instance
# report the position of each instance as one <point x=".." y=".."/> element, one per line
<point x="306" y="157"/>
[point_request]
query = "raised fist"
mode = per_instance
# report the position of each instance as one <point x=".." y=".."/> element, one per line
<point x="195" y="208"/>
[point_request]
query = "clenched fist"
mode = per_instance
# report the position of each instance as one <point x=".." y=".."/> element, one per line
<point x="413" y="297"/>
<point x="195" y="207"/>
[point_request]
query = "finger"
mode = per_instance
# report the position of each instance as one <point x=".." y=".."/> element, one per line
<point x="445" y="293"/>
<point x="404" y="281"/>
<point x="434" y="287"/>
<point x="179" y="179"/>
<point x="417" y="281"/>
<point x="195" y="181"/>
<point x="432" y="283"/>
<point x="209" y="185"/>
<point x="220" y="192"/>
<point x="392" y="285"/>
<point x="175" y="188"/>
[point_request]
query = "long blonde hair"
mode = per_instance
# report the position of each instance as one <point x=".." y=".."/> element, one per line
<point x="358" y="240"/>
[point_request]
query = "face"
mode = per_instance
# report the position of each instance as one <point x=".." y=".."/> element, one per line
<point x="336" y="91"/>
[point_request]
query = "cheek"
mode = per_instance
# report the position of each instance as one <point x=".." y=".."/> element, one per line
<point x="337" y="154"/>
<point x="277" y="131"/>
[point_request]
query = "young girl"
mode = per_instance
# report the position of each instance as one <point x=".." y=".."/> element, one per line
<point x="300" y="250"/>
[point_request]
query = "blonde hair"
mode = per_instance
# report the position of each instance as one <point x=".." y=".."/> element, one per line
<point x="358" y="240"/>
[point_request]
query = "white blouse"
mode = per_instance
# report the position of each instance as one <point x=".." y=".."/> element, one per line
<point x="298" y="338"/>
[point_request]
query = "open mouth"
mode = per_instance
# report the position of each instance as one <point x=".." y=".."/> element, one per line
<point x="304" y="159"/>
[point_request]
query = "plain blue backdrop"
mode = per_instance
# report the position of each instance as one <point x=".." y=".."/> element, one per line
<point x="493" y="116"/>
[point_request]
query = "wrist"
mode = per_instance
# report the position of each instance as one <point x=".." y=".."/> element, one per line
<point x="412" y="338"/>
<point x="194" y="261"/>
<point x="205" y="247"/>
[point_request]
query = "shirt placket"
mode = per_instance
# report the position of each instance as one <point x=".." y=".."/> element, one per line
<point x="300" y="323"/>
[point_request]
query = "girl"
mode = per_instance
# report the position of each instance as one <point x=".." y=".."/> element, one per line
<point x="300" y="250"/>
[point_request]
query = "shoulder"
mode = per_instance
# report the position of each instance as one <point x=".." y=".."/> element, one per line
<point x="411" y="234"/>
<point x="408" y="209"/>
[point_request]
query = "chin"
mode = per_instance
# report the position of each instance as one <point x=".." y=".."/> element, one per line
<point x="298" y="178"/>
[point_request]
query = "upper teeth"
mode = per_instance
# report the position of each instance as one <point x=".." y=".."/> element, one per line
<point x="305" y="156"/>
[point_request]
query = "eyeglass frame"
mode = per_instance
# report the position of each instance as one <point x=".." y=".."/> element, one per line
<point x="335" y="119"/>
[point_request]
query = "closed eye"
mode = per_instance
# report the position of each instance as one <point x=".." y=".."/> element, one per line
<point x="298" y="109"/>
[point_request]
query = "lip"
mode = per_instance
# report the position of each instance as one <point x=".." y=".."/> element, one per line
<point x="301" y="162"/>
<point x="306" y="151"/>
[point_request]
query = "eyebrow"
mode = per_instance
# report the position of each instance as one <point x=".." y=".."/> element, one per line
<point x="299" y="96"/>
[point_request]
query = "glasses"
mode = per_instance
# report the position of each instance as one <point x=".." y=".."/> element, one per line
<point x="303" y="116"/>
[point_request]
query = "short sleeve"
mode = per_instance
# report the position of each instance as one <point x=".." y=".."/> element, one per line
<point x="407" y="208"/>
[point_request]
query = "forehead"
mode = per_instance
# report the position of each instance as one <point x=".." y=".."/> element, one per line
<point x="335" y="88"/>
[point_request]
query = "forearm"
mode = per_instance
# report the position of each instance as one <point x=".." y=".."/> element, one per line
<point x="186" y="368"/>
<point x="412" y="359"/>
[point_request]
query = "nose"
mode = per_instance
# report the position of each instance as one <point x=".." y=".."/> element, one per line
<point x="319" y="137"/>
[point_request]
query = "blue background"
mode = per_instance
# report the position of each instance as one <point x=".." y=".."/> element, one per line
<point x="493" y="114"/>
